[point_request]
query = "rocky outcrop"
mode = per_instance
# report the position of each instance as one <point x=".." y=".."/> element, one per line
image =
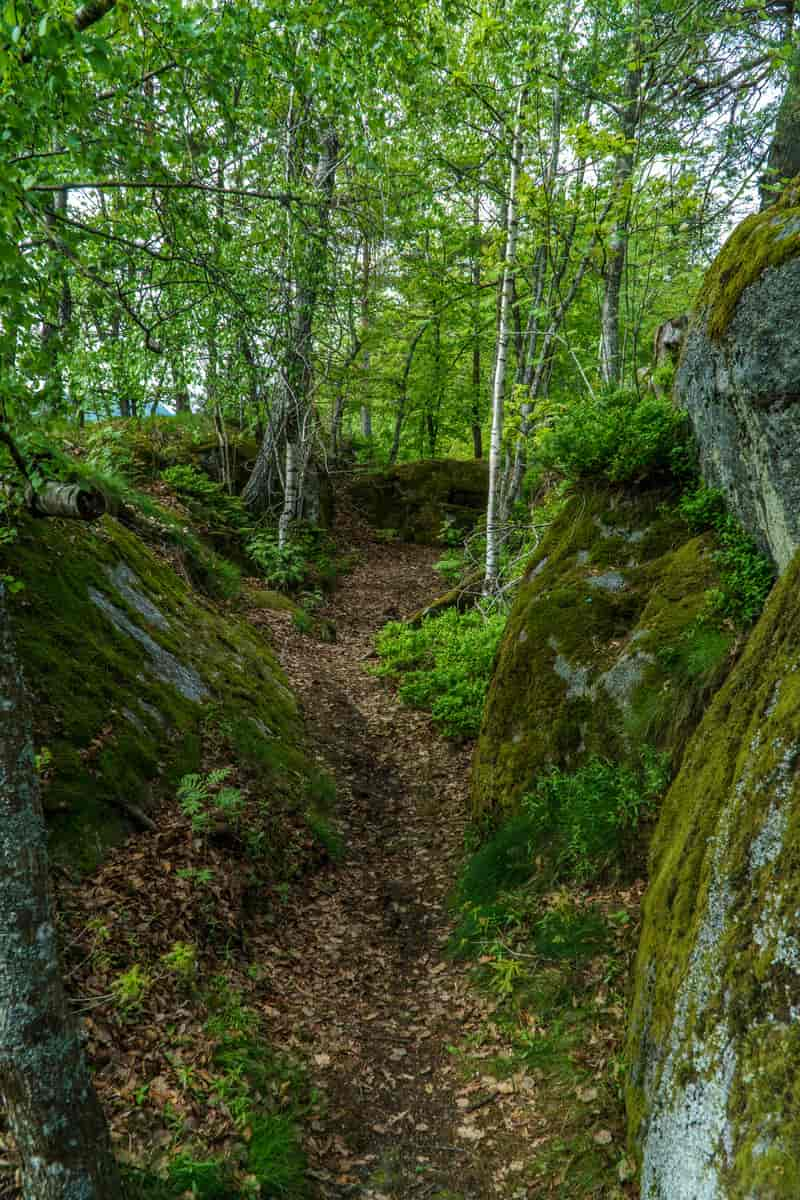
<point x="602" y="652"/>
<point x="714" y="1092"/>
<point x="739" y="377"/>
<point x="419" y="501"/>
<point x="131" y="669"/>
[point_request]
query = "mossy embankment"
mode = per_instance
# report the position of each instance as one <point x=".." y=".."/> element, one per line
<point x="416" y="500"/>
<point x="130" y="669"/>
<point x="604" y="650"/>
<point x="714" y="1037"/>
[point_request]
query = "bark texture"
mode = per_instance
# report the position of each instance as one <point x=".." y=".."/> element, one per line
<point x="54" y="499"/>
<point x="52" y="1108"/>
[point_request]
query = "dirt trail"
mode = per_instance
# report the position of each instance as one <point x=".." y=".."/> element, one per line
<point x="359" y="980"/>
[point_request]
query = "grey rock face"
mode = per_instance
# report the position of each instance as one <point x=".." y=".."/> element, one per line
<point x="163" y="664"/>
<point x="743" y="399"/>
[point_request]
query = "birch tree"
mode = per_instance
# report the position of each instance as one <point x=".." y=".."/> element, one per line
<point x="493" y="515"/>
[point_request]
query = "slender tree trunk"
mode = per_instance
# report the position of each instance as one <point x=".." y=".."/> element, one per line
<point x="291" y="409"/>
<point x="493" y="529"/>
<point x="610" y="360"/>
<point x="366" y="406"/>
<point x="59" y="1127"/>
<point x="477" y="434"/>
<point x="783" y="161"/>
<point x="402" y="387"/>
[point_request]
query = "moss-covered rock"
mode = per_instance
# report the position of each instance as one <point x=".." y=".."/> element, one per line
<point x="739" y="376"/>
<point x="603" y="650"/>
<point x="129" y="668"/>
<point x="714" y="1087"/>
<point x="417" y="500"/>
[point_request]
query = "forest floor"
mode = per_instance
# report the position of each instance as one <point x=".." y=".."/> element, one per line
<point x="360" y="978"/>
<point x="412" y="1086"/>
<point x="424" y="1097"/>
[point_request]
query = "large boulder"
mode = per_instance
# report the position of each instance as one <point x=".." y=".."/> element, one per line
<point x="131" y="672"/>
<point x="420" y="501"/>
<point x="714" y="1090"/>
<point x="739" y="377"/>
<point x="603" y="651"/>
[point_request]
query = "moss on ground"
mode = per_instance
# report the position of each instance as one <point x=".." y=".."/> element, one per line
<point x="417" y="499"/>
<point x="765" y="239"/>
<point x="119" y="732"/>
<point x="602" y="651"/>
<point x="718" y="970"/>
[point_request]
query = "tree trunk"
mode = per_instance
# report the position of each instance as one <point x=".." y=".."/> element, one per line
<point x="493" y="523"/>
<point x="402" y="386"/>
<point x="289" y="420"/>
<point x="610" y="362"/>
<point x="59" y="1127"/>
<point x="783" y="162"/>
<point x="53" y="499"/>
<point x="477" y="435"/>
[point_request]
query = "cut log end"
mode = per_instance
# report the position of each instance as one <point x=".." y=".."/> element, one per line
<point x="55" y="499"/>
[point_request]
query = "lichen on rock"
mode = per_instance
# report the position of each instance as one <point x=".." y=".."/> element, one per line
<point x="602" y="651"/>
<point x="739" y="376"/>
<point x="714" y="1087"/>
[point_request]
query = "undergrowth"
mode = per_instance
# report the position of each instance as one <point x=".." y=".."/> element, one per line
<point x="747" y="573"/>
<point x="618" y="436"/>
<point x="546" y="909"/>
<point x="444" y="665"/>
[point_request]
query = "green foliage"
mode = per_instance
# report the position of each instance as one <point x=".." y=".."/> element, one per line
<point x="181" y="958"/>
<point x="444" y="665"/>
<point x="207" y="499"/>
<point x="747" y="573"/>
<point x="276" y="1157"/>
<point x="201" y="797"/>
<point x="587" y="816"/>
<point x="617" y="436"/>
<point x="572" y="827"/>
<point x="131" y="987"/>
<point x="282" y="567"/>
<point x="450" y="566"/>
<point x="303" y="621"/>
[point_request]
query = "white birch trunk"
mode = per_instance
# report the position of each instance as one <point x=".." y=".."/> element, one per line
<point x="493" y="521"/>
<point x="291" y="492"/>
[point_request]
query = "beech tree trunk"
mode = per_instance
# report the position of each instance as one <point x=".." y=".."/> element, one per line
<point x="59" y="1127"/>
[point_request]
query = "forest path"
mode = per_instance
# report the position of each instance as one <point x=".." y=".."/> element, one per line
<point x="360" y="983"/>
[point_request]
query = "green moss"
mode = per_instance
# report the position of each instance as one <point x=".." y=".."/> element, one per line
<point x="418" y="499"/>
<point x="119" y="734"/>
<point x="718" y="947"/>
<point x="594" y="657"/>
<point x="765" y="239"/>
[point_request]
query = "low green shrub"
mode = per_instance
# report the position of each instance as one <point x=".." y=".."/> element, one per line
<point x="444" y="665"/>
<point x="617" y="436"/>
<point x="747" y="573"/>
<point x="206" y="498"/>
<point x="572" y="827"/>
<point x="283" y="567"/>
<point x="202" y="797"/>
<point x="587" y="815"/>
